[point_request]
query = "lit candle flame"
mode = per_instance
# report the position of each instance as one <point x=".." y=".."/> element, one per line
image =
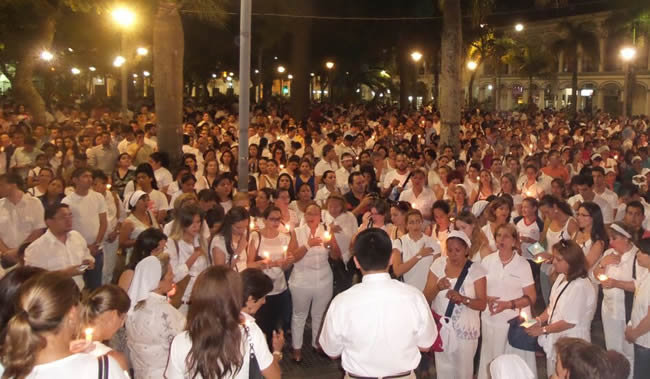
<point x="539" y="259"/>
<point x="327" y="236"/>
<point x="602" y="277"/>
<point x="108" y="187"/>
<point x="528" y="193"/>
<point x="478" y="178"/>
<point x="89" y="334"/>
<point x="285" y="248"/>
<point x="288" y="227"/>
<point x="252" y="224"/>
<point x="524" y="316"/>
<point x="281" y="167"/>
<point x="615" y="156"/>
<point x="266" y="255"/>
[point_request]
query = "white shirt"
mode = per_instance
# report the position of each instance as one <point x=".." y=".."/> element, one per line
<point x="392" y="175"/>
<point x="149" y="331"/>
<point x="49" y="253"/>
<point x="408" y="248"/>
<point x="313" y="270"/>
<point x="240" y="262"/>
<point x="85" y="213"/>
<point x="177" y="259"/>
<point x="377" y="327"/>
<point x="76" y="366"/>
<point x="323" y="166"/>
<point x="605" y="207"/>
<point x="614" y="298"/>
<point x="640" y="309"/>
<point x="274" y="247"/>
<point x="182" y="344"/>
<point x="163" y="178"/>
<point x="322" y="195"/>
<point x="423" y="202"/>
<point x="507" y="283"/>
<point x="342" y="176"/>
<point x="348" y="223"/>
<point x="18" y="221"/>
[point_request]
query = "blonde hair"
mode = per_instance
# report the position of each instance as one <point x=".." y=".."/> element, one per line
<point x="185" y="218"/>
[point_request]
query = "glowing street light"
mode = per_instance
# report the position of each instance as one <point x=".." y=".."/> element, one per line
<point x="146" y="74"/>
<point x="119" y="61"/>
<point x="329" y="65"/>
<point x="519" y="27"/>
<point x="281" y="69"/>
<point x="142" y="51"/>
<point x="290" y="76"/>
<point x="92" y="69"/>
<point x="123" y="16"/>
<point x="489" y="87"/>
<point x="416" y="56"/>
<point x="47" y="56"/>
<point x="471" y="65"/>
<point x="75" y="71"/>
<point x="628" y="53"/>
<point x="214" y="76"/>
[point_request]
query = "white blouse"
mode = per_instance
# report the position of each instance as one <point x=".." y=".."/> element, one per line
<point x="348" y="224"/>
<point x="239" y="261"/>
<point x="76" y="366"/>
<point x="177" y="259"/>
<point x="313" y="270"/>
<point x="465" y="320"/>
<point x="274" y="247"/>
<point x="149" y="331"/>
<point x="614" y="298"/>
<point x="507" y="283"/>
<point x="182" y="344"/>
<point x="417" y="275"/>
<point x="640" y="309"/>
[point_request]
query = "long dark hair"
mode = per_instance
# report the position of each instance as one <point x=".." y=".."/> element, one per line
<point x="146" y="242"/>
<point x="146" y="168"/>
<point x="234" y="215"/>
<point x="213" y="324"/>
<point x="291" y="189"/>
<point x="598" y="231"/>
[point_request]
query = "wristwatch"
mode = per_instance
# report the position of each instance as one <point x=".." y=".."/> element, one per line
<point x="467" y="300"/>
<point x="278" y="354"/>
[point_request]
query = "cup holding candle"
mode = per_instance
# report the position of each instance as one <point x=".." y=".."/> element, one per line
<point x="603" y="277"/>
<point x="252" y="225"/>
<point x="527" y="323"/>
<point x="89" y="334"/>
<point x="327" y="236"/>
<point x="108" y="187"/>
<point x="539" y="259"/>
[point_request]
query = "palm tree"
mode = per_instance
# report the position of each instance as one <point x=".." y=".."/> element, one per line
<point x="451" y="53"/>
<point x="530" y="59"/>
<point x="577" y="40"/>
<point x="168" y="52"/>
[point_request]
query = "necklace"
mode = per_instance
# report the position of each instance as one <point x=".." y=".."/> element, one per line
<point x="509" y="260"/>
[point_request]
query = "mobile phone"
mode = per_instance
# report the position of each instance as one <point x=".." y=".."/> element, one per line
<point x="536" y="248"/>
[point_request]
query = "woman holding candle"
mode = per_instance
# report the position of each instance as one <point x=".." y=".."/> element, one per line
<point x="592" y="235"/>
<point x="37" y="338"/>
<point x="572" y="302"/>
<point x="267" y="250"/>
<point x="229" y="246"/>
<point x="617" y="272"/>
<point x="469" y="301"/>
<point x="398" y="211"/>
<point x="289" y="218"/>
<point x="311" y="282"/>
<point x="103" y="314"/>
<point x="223" y="187"/>
<point x="304" y="198"/>
<point x="530" y="186"/>
<point x="509" y="187"/>
<point x="510" y="288"/>
<point x="485" y="187"/>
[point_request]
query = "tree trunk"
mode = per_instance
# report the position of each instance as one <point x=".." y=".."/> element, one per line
<point x="435" y="91"/>
<point x="574" y="88"/>
<point x="497" y="85"/>
<point x="530" y="91"/>
<point x="470" y="89"/>
<point x="168" y="51"/>
<point x="300" y="49"/>
<point x="23" y="81"/>
<point x="450" y="101"/>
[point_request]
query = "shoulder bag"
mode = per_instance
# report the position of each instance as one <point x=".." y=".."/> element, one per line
<point x="102" y="367"/>
<point x="254" y="371"/>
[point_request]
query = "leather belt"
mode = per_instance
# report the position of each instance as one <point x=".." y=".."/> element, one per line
<point x="401" y="375"/>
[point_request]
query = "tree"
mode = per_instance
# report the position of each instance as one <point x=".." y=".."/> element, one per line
<point x="577" y="40"/>
<point x="300" y="57"/>
<point x="451" y="53"/>
<point x="531" y="59"/>
<point x="168" y="53"/>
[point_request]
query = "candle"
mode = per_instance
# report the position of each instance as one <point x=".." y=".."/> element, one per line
<point x="523" y="315"/>
<point x="528" y="193"/>
<point x="265" y="255"/>
<point x="252" y="225"/>
<point x="527" y="323"/>
<point x="603" y="277"/>
<point x="615" y="156"/>
<point x="539" y="259"/>
<point x="89" y="334"/>
<point x="281" y="167"/>
<point x="327" y="236"/>
<point x="478" y="178"/>
<point x="288" y="227"/>
<point x="108" y="187"/>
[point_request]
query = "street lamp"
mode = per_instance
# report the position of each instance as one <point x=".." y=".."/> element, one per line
<point x="416" y="56"/>
<point x="75" y="71"/>
<point x="471" y="65"/>
<point x="119" y="61"/>
<point x="519" y="27"/>
<point x="123" y="17"/>
<point x="329" y="65"/>
<point x="92" y="69"/>
<point x="628" y="53"/>
<point x="290" y="76"/>
<point x="47" y="56"/>
<point x="142" y="51"/>
<point x="281" y="69"/>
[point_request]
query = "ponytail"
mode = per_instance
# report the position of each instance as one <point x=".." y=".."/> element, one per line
<point x="105" y="298"/>
<point x="42" y="305"/>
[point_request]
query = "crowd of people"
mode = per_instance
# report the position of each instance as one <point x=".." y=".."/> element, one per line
<point x="395" y="250"/>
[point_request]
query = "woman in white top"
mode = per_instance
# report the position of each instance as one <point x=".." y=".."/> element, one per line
<point x="468" y="302"/>
<point x="510" y="288"/>
<point x="103" y="314"/>
<point x="497" y="213"/>
<point x="341" y="223"/>
<point x="311" y="281"/>
<point x="414" y="252"/>
<point x="398" y="211"/>
<point x="223" y="187"/>
<point x="638" y="329"/>
<point x="267" y="250"/>
<point x="187" y="248"/>
<point x="530" y="187"/>
<point x="305" y="196"/>
<point x="572" y="302"/>
<point x="138" y="220"/>
<point x="376" y="217"/>
<point x="229" y="246"/>
<point x="38" y="336"/>
<point x="467" y="223"/>
<point x="210" y="173"/>
<point x="146" y="182"/>
<point x="617" y="272"/>
<point x="215" y="316"/>
<point x="45" y="175"/>
<point x="289" y="217"/>
<point x="152" y="322"/>
<point x="592" y="235"/>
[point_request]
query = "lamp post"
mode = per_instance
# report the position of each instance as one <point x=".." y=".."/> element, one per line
<point x="519" y="27"/>
<point x="471" y="66"/>
<point x="124" y="18"/>
<point x="627" y="55"/>
<point x="329" y="65"/>
<point x="416" y="56"/>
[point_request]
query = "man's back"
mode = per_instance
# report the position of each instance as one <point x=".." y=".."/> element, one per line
<point x="378" y="327"/>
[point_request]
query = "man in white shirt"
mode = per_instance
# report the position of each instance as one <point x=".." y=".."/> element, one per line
<point x="21" y="217"/>
<point x="585" y="185"/>
<point x="329" y="181"/>
<point x="600" y="187"/>
<point x="360" y="323"/>
<point x="420" y="196"/>
<point x="158" y="161"/>
<point x="90" y="220"/>
<point x="60" y="248"/>
<point x="104" y="156"/>
<point x="397" y="177"/>
<point x="327" y="163"/>
<point x="342" y="174"/>
<point x="317" y="143"/>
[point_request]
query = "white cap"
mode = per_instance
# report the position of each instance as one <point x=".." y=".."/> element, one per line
<point x="596" y="156"/>
<point x="636" y="158"/>
<point x="620" y="230"/>
<point x="135" y="196"/>
<point x="460" y="235"/>
<point x="479" y="207"/>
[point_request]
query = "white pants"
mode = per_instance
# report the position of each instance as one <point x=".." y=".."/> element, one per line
<point x="460" y="363"/>
<point x="110" y="259"/>
<point x="495" y="343"/>
<point x="303" y="298"/>
<point x="615" y="339"/>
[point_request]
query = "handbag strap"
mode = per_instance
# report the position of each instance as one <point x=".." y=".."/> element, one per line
<point x="102" y="367"/>
<point x="459" y="283"/>
<point x="250" y="341"/>
<point x="629" y="296"/>
<point x="550" y="319"/>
